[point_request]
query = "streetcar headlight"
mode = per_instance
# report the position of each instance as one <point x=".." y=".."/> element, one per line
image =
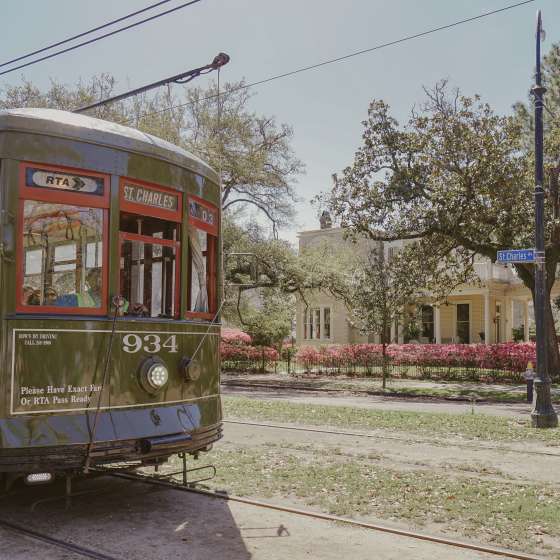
<point x="153" y="374"/>
<point x="38" y="478"/>
<point x="157" y="376"/>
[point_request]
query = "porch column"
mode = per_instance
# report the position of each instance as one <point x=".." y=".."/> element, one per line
<point x="512" y="315"/>
<point x="487" y="327"/>
<point x="400" y="333"/>
<point x="526" y="320"/>
<point x="508" y="320"/>
<point x="393" y="332"/>
<point x="437" y="324"/>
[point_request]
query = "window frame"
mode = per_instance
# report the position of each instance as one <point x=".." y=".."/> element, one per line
<point x="312" y="327"/>
<point x="54" y="196"/>
<point x="423" y="322"/>
<point x="212" y="257"/>
<point x="323" y="310"/>
<point x="149" y="240"/>
<point x="457" y="322"/>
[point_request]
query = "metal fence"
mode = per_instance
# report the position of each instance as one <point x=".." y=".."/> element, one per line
<point x="373" y="368"/>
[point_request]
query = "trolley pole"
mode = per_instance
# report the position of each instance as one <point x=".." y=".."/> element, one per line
<point x="543" y="414"/>
<point x="220" y="60"/>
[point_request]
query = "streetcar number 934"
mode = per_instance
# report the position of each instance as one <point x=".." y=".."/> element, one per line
<point x="150" y="343"/>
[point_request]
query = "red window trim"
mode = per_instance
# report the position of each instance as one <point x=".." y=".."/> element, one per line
<point x="124" y="236"/>
<point x="148" y="239"/>
<point x="144" y="209"/>
<point x="54" y="196"/>
<point x="55" y="309"/>
<point x="212" y="229"/>
<point x="62" y="196"/>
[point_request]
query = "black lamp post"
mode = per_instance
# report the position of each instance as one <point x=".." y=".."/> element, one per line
<point x="543" y="414"/>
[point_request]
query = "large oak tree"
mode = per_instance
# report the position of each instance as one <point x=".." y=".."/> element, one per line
<point x="456" y="176"/>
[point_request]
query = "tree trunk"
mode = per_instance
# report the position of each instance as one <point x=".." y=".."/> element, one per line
<point x="384" y="358"/>
<point x="553" y="353"/>
<point x="527" y="276"/>
<point x="551" y="342"/>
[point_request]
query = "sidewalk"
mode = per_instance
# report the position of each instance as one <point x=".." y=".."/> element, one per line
<point x="403" y="388"/>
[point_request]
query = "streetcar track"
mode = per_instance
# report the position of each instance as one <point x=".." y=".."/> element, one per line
<point x="68" y="546"/>
<point x="393" y="438"/>
<point x="147" y="479"/>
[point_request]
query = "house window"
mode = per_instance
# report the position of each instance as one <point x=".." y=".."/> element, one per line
<point x="150" y="250"/>
<point x="463" y="323"/>
<point x="327" y="322"/>
<point x="202" y="282"/>
<point x="63" y="222"/>
<point x="317" y="323"/>
<point x="428" y="322"/>
<point x="308" y="324"/>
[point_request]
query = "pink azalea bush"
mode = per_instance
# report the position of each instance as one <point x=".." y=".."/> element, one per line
<point x="237" y="353"/>
<point x="235" y="336"/>
<point x="453" y="362"/>
<point x="478" y="362"/>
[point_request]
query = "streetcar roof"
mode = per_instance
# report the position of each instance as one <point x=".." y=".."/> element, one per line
<point x="53" y="122"/>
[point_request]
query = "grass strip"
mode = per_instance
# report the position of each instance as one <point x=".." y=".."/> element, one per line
<point x="519" y="516"/>
<point x="480" y="427"/>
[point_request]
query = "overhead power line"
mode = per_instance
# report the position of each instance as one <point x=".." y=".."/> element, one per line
<point x="89" y="41"/>
<point x="83" y="34"/>
<point x="350" y="55"/>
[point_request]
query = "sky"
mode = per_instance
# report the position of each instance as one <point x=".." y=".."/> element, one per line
<point x="493" y="56"/>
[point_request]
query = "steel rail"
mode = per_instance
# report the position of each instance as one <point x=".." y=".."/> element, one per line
<point x="394" y="438"/>
<point x="326" y="517"/>
<point x="71" y="547"/>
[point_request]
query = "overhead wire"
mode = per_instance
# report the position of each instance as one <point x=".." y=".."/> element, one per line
<point x="98" y="38"/>
<point x="553" y="115"/>
<point x="347" y="56"/>
<point x="84" y="33"/>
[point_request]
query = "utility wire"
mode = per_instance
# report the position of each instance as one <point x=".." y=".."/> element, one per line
<point x="347" y="56"/>
<point x="551" y="113"/>
<point x="83" y="34"/>
<point x="88" y="42"/>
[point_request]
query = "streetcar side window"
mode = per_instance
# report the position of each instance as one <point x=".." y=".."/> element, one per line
<point x="63" y="247"/>
<point x="201" y="285"/>
<point x="61" y="250"/>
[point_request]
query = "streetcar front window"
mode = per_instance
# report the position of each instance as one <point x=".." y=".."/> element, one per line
<point x="62" y="255"/>
<point x="149" y="278"/>
<point x="150" y="224"/>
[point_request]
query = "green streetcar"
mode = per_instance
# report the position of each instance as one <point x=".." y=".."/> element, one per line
<point x="110" y="268"/>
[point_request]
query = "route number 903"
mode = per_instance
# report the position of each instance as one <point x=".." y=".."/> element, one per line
<point x="150" y="343"/>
